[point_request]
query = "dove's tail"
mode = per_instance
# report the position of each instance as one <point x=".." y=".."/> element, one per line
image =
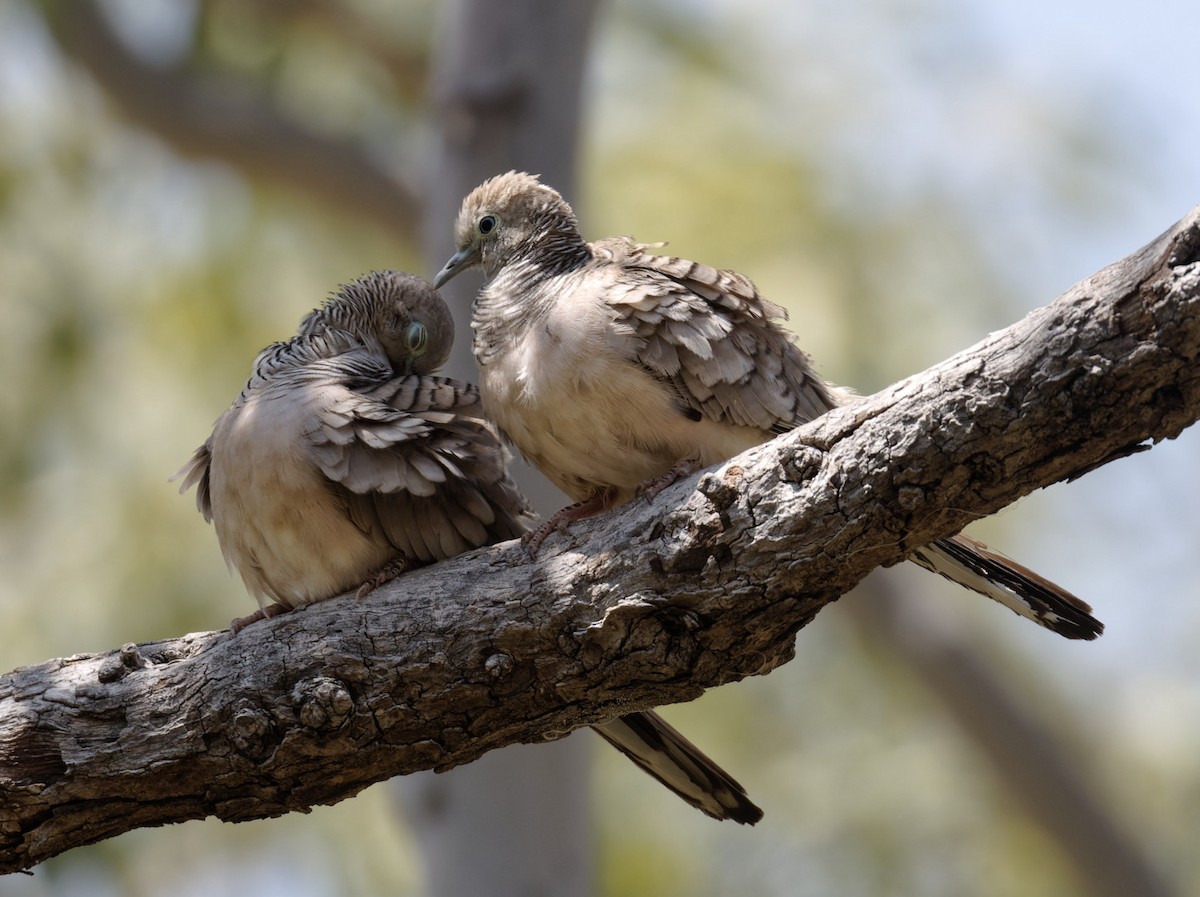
<point x="972" y="564"/>
<point x="650" y="742"/>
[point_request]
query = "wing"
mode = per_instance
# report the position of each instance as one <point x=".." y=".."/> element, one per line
<point x="414" y="460"/>
<point x="713" y="338"/>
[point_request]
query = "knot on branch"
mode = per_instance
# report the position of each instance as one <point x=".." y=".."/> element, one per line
<point x="986" y="472"/>
<point x="801" y="463"/>
<point x="322" y="703"/>
<point x="911" y="498"/>
<point x="655" y="628"/>
<point x="129" y="658"/>
<point x="1185" y="249"/>
<point x="250" y="731"/>
<point x="499" y="665"/>
<point x="722" y="487"/>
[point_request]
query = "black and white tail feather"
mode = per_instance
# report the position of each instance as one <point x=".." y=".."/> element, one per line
<point x="975" y="566"/>
<point x="659" y="749"/>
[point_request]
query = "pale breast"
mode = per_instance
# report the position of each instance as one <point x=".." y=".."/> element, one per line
<point x="278" y="523"/>
<point x="574" y="400"/>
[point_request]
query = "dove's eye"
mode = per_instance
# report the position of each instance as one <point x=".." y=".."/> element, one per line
<point x="487" y="224"/>
<point x="416" y="338"/>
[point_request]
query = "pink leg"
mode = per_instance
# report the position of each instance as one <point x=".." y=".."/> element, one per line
<point x="685" y="468"/>
<point x="389" y="571"/>
<point x="558" y="522"/>
<point x="265" y="613"/>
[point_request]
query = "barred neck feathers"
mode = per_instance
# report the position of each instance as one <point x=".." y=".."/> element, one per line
<point x="316" y="356"/>
<point x="506" y="307"/>
<point x="544" y="238"/>
<point x="521" y="294"/>
<point x="515" y="290"/>
<point x="552" y="247"/>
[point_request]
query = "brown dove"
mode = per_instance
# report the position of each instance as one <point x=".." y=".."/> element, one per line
<point x="344" y="462"/>
<point x="616" y="370"/>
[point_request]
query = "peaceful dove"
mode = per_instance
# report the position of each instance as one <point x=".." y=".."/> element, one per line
<point x="344" y="461"/>
<point x="615" y="370"/>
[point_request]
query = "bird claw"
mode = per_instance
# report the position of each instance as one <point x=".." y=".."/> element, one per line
<point x="263" y="613"/>
<point x="533" y="540"/>
<point x="650" y="489"/>
<point x="559" y="522"/>
<point x="561" y="519"/>
<point x="389" y="571"/>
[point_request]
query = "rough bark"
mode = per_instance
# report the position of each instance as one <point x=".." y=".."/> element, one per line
<point x="645" y="606"/>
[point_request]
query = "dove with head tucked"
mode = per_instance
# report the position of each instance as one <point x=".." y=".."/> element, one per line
<point x="345" y="460"/>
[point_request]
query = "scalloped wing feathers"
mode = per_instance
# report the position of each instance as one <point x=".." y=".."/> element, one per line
<point x="417" y="461"/>
<point x="713" y="337"/>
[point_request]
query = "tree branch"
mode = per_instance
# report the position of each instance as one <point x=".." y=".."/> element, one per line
<point x="645" y="606"/>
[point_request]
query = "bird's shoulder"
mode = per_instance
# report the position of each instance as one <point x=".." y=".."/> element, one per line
<point x="681" y="301"/>
<point x="648" y="279"/>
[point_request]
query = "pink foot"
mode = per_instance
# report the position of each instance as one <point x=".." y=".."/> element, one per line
<point x="559" y="520"/>
<point x="389" y="571"/>
<point x="264" y="613"/>
<point x="685" y="468"/>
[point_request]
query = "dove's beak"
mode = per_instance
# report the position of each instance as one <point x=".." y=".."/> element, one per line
<point x="457" y="263"/>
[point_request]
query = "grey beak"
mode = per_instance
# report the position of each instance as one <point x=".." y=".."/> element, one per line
<point x="452" y="267"/>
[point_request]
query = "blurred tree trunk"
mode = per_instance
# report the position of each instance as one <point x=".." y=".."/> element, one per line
<point x="1032" y="765"/>
<point x="507" y="93"/>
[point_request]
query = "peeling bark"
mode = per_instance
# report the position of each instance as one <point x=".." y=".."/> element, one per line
<point x="647" y="605"/>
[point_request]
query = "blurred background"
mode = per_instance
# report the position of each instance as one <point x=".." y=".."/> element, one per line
<point x="181" y="180"/>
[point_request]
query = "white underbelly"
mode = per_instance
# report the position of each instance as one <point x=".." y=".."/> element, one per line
<point x="278" y="522"/>
<point x="599" y="423"/>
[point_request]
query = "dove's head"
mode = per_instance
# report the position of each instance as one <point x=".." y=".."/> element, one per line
<point x="511" y="216"/>
<point x="400" y="312"/>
